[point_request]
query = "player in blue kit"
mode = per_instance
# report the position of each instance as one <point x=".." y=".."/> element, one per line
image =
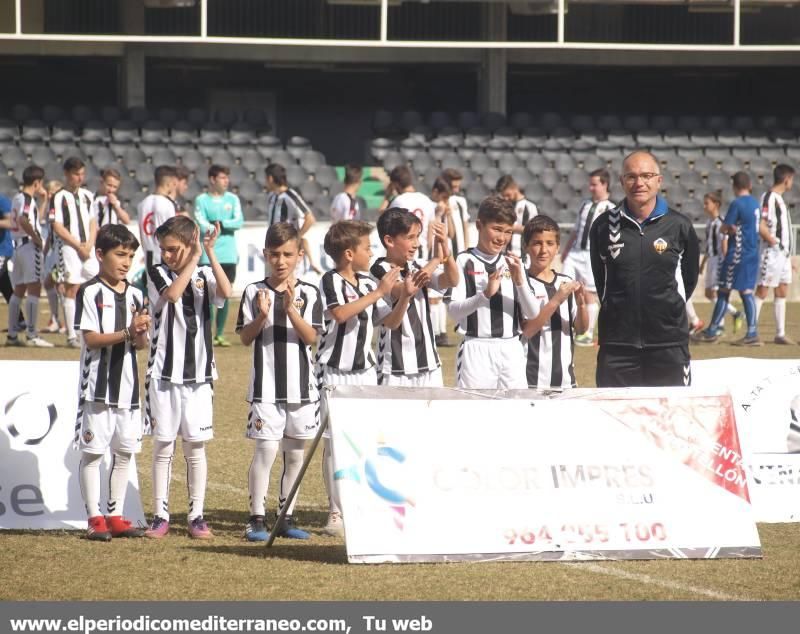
<point x="739" y="268"/>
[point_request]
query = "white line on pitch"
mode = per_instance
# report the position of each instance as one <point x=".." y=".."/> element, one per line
<point x="664" y="583"/>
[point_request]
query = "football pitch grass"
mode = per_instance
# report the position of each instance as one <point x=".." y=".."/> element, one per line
<point x="62" y="565"/>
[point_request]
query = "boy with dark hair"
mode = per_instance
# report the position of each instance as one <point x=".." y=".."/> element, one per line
<point x="345" y="204"/>
<point x="577" y="263"/>
<point x="219" y="206"/>
<point x="402" y="180"/>
<point x="549" y="337"/>
<point x="26" y="276"/>
<point x="407" y="356"/>
<point x="75" y="229"/>
<point x="777" y="242"/>
<point x="740" y="266"/>
<point x="524" y="210"/>
<point x="106" y="207"/>
<point x="181" y="187"/>
<point x="490" y="302"/>
<point x="281" y="316"/>
<point x="155" y="210"/>
<point x="181" y="367"/>
<point x="114" y="323"/>
<point x="353" y="303"/>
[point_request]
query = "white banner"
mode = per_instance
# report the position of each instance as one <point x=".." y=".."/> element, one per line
<point x="39" y="486"/>
<point x="766" y="397"/>
<point x="432" y="475"/>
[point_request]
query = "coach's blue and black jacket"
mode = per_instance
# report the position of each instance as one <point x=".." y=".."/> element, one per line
<point x="644" y="273"/>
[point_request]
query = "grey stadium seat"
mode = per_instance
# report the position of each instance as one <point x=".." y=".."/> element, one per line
<point x="252" y="161"/>
<point x="238" y="174"/>
<point x="549" y="178"/>
<point x="509" y="135"/>
<point x="480" y="163"/>
<point x="480" y="135"/>
<point x="525" y="148"/>
<point x="296" y="175"/>
<point x="193" y="160"/>
<point x="578" y="179"/>
<point x="489" y="177"/>
<point x="522" y="176"/>
<point x="691" y="181"/>
<point x="453" y="136"/>
<point x="380" y="147"/>
<point x="310" y="191"/>
<point x="249" y="190"/>
<point x="453" y="161"/>
<point x="43" y="155"/>
<point x="469" y="149"/>
<point x="392" y="160"/>
<point x="409" y="148"/>
<point x="477" y="192"/>
<point x="420" y="133"/>
<point x="761" y="167"/>
<point x="536" y="163"/>
<point x="326" y="176"/>
<point x="594" y="162"/>
<point x="422" y="162"/>
<point x="496" y="148"/>
<point x="632" y="122"/>
<point x="102" y="157"/>
<point x="509" y="162"/>
<point x="222" y="157"/>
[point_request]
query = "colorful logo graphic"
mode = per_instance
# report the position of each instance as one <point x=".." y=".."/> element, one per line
<point x="381" y="470"/>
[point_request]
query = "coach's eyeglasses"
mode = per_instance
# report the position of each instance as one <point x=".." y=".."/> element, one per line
<point x="632" y="179"/>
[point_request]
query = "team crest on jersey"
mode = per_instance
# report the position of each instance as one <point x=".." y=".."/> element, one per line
<point x="88" y="436"/>
<point x="507" y="273"/>
<point x="259" y="424"/>
<point x="200" y="284"/>
<point x="299" y="302"/>
<point x="660" y="245"/>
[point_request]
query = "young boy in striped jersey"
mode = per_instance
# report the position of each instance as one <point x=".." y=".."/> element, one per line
<point x="111" y="315"/>
<point x="281" y="316"/>
<point x="549" y="337"/>
<point x="181" y="367"/>
<point x="407" y="356"/>
<point x="106" y="207"/>
<point x="490" y="302"/>
<point x="353" y="303"/>
<point x="26" y="276"/>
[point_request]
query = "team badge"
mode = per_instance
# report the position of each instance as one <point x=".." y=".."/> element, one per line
<point x="507" y="273"/>
<point x="88" y="436"/>
<point x="660" y="245"/>
<point x="299" y="302"/>
<point x="200" y="284"/>
<point x="259" y="424"/>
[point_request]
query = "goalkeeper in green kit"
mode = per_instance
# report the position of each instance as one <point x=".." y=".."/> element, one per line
<point x="220" y="206"/>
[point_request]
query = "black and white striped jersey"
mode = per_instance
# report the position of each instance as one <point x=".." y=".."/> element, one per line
<point x="587" y="214"/>
<point x="460" y="213"/>
<point x="109" y="375"/>
<point x="424" y="209"/>
<point x="411" y="348"/>
<point x="525" y="210"/>
<point x="287" y="206"/>
<point x="549" y="352"/>
<point x="24" y="205"/>
<point x="345" y="207"/>
<point x="775" y="212"/>
<point x="153" y="212"/>
<point x="498" y="316"/>
<point x="104" y="212"/>
<point x="348" y="346"/>
<point x="74" y="211"/>
<point x="181" y="351"/>
<point x="282" y="370"/>
<point x="714" y="238"/>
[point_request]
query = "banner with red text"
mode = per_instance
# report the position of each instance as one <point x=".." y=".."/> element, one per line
<point x="437" y="475"/>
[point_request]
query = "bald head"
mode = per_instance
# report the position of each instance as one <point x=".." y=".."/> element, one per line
<point x="641" y="180"/>
<point x="641" y="154"/>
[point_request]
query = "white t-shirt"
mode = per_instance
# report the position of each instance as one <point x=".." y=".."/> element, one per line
<point x="424" y="209"/>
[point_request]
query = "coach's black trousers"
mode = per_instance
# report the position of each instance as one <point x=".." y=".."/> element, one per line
<point x="623" y="366"/>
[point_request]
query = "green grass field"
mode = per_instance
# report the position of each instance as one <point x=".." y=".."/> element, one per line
<point x="58" y="565"/>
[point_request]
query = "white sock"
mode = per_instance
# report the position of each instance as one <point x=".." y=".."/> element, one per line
<point x="89" y="477"/>
<point x="162" y="473"/>
<point x="258" y="477"/>
<point x="732" y="310"/>
<point x="118" y="482"/>
<point x="592" y="309"/>
<point x="691" y="312"/>
<point x="32" y="315"/>
<point x="759" y="302"/>
<point x="293" y="452"/>
<point x="196" y="476"/>
<point x="52" y="300"/>
<point x="13" y="315"/>
<point x="334" y="506"/>
<point x="780" y="316"/>
<point x="69" y="316"/>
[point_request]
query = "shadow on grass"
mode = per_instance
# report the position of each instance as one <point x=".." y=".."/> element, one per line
<point x="315" y="553"/>
<point x="229" y="521"/>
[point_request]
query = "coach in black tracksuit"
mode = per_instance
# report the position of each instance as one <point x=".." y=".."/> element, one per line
<point x="645" y="264"/>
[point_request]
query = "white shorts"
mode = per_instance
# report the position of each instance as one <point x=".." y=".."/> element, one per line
<point x="432" y="378"/>
<point x="103" y="427"/>
<point x="775" y="269"/>
<point x="578" y="266"/>
<point x="75" y="270"/>
<point x="331" y="376"/>
<point x="491" y="364"/>
<point x="27" y="268"/>
<point x="712" y="272"/>
<point x="274" y="421"/>
<point x="172" y="408"/>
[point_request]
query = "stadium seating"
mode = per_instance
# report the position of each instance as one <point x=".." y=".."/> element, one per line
<point x="552" y="153"/>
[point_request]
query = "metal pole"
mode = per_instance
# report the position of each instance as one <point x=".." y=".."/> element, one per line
<point x="561" y="10"/>
<point x="384" y="20"/>
<point x="737" y="21"/>
<point x="309" y="455"/>
<point x="204" y="18"/>
<point x="18" y="16"/>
